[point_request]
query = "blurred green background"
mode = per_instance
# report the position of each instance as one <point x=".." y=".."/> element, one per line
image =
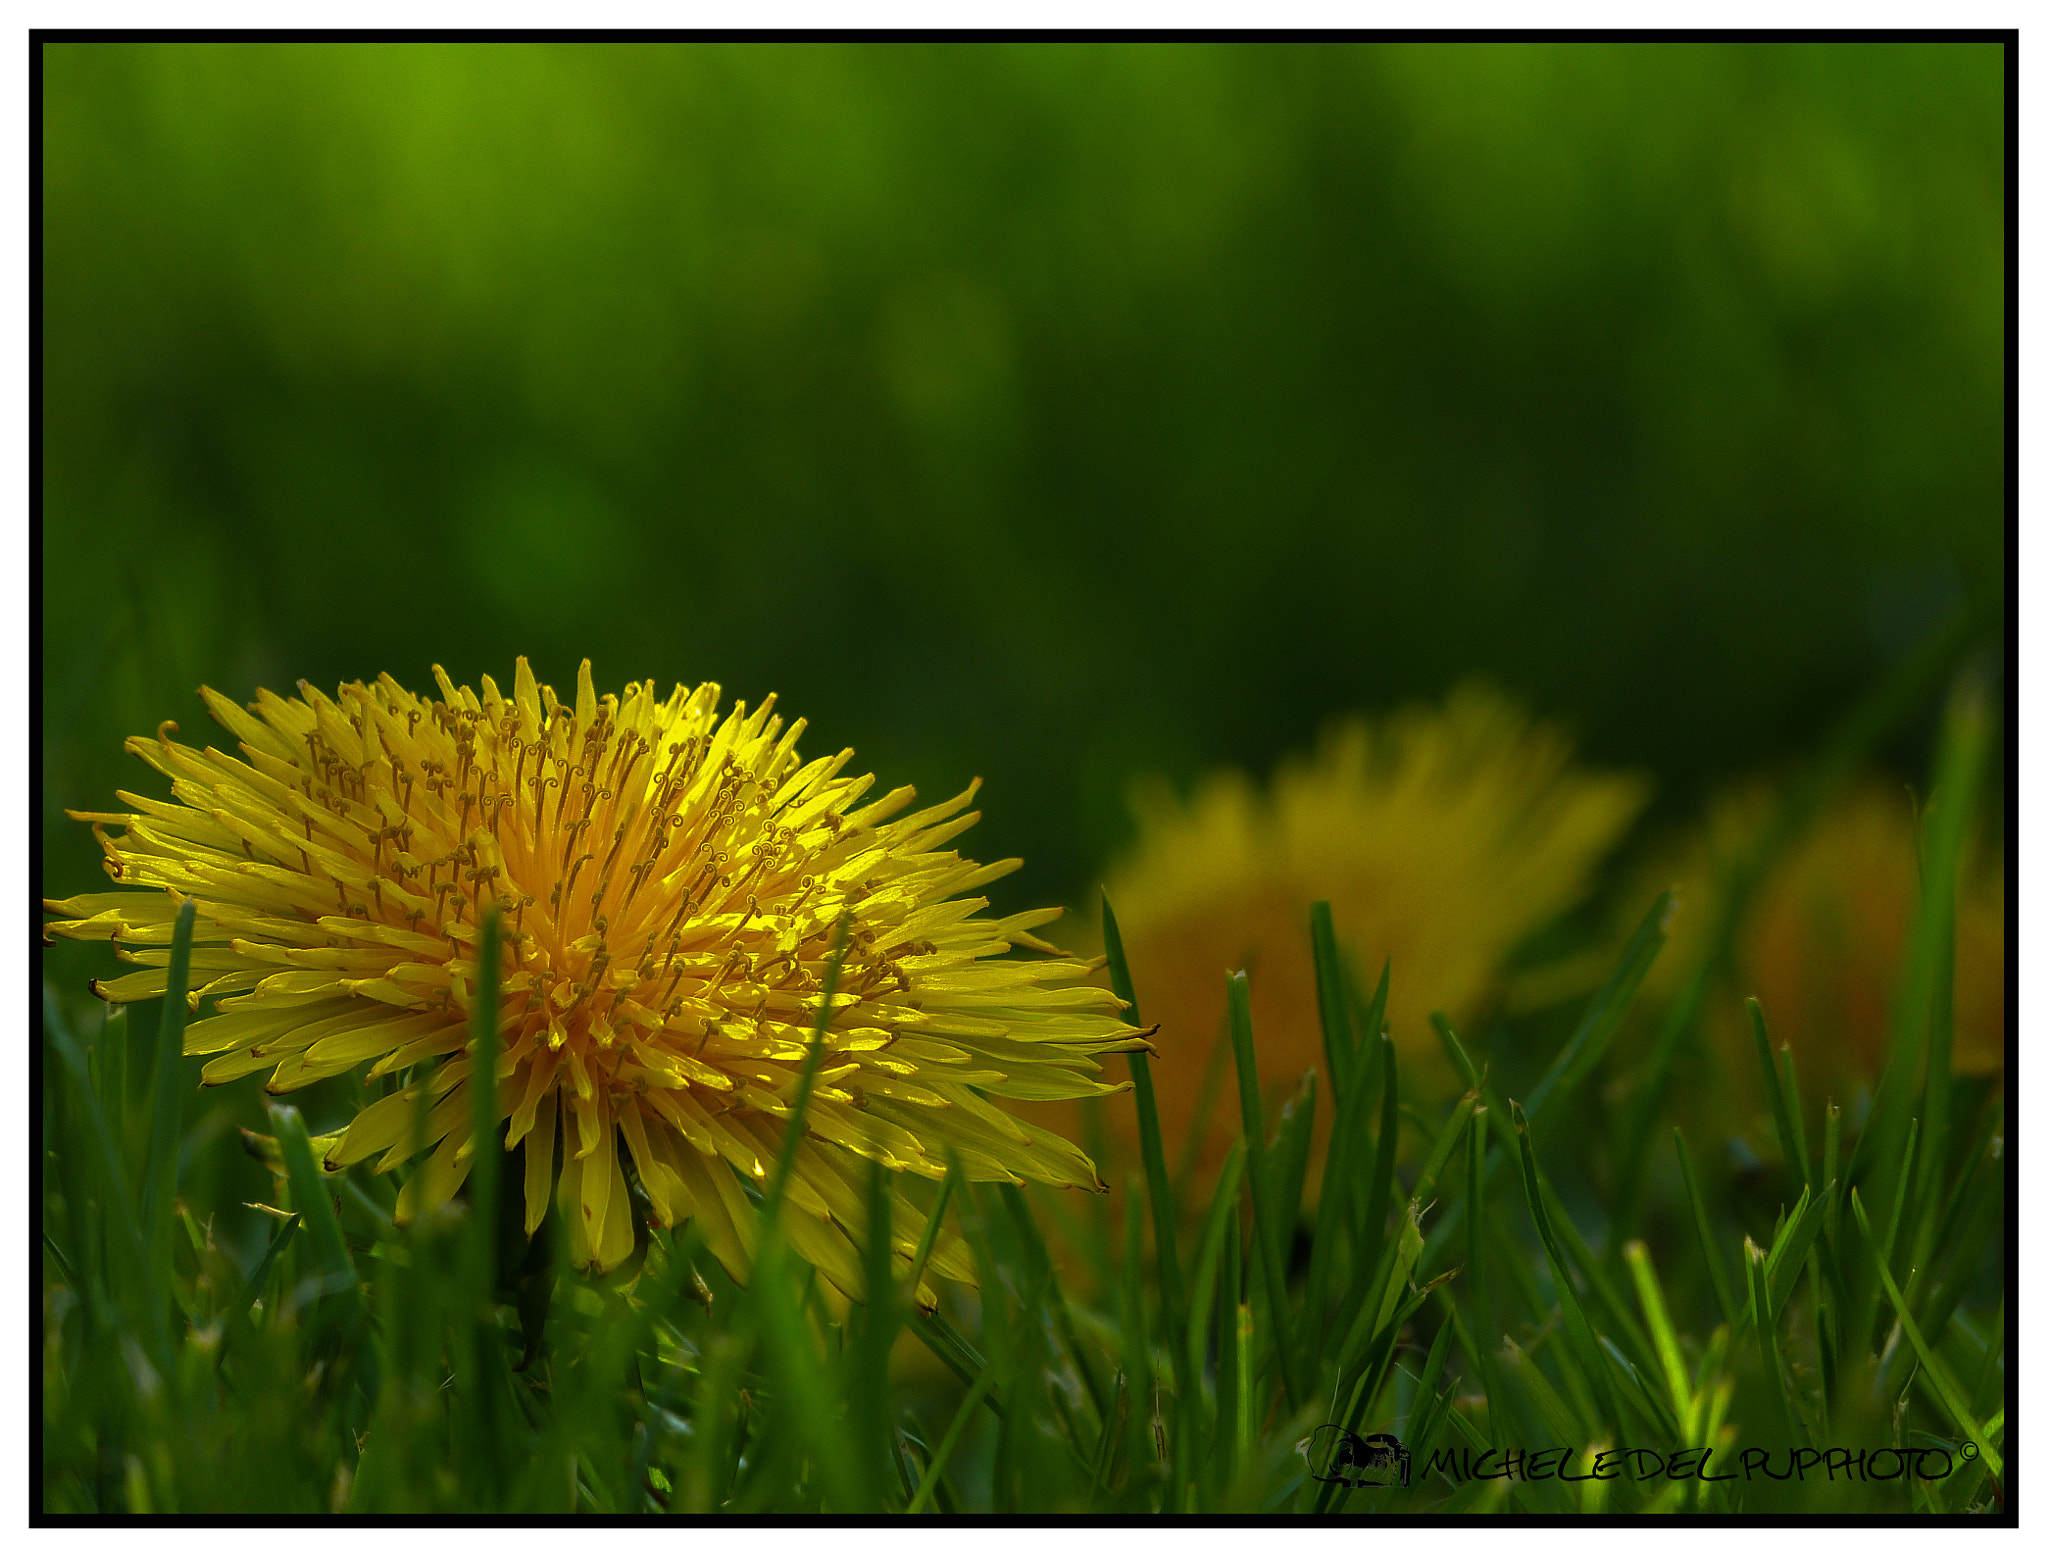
<point x="1047" y="412"/>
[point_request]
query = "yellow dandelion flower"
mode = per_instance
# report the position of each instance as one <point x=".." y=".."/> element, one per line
<point x="1440" y="837"/>
<point x="1822" y="943"/>
<point x="670" y="884"/>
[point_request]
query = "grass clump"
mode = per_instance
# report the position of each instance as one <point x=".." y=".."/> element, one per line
<point x="1550" y="1280"/>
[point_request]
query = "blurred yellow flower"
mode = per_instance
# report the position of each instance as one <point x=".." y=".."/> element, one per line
<point x="670" y="884"/>
<point x="1442" y="837"/>
<point x="1821" y="943"/>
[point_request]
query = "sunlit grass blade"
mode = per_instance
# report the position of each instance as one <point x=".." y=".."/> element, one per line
<point x="1650" y="1294"/>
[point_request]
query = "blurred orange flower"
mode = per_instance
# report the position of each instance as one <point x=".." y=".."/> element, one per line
<point x="1822" y="943"/>
<point x="1441" y="836"/>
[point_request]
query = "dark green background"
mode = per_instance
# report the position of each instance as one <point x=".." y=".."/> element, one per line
<point x="1043" y="412"/>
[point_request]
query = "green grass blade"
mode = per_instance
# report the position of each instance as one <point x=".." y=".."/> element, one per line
<point x="1246" y="1432"/>
<point x="1789" y="1250"/>
<point x="261" y="1274"/>
<point x="793" y="1127"/>
<point x="310" y="1197"/>
<point x="1158" y="1188"/>
<point x="1703" y="1226"/>
<point x="482" y="1359"/>
<point x="801" y="1378"/>
<point x="1219" y="1226"/>
<point x="930" y="1237"/>
<point x="1439" y="1350"/>
<point x="952" y="1349"/>
<point x="1936" y="1372"/>
<point x="1425" y="1421"/>
<point x="1445" y="1144"/>
<point x="1795" y="1111"/>
<point x="1613" y="1312"/>
<point x="1233" y="1373"/>
<point x="1962" y="1261"/>
<point x="484" y="1141"/>
<point x="1137" y="1340"/>
<point x="1831" y="1163"/>
<point x="126" y="1262"/>
<point x="867" y="1370"/>
<point x="1881" y="1254"/>
<point x="1595" y="1032"/>
<point x="160" y="1167"/>
<point x="1582" y="1051"/>
<point x="1335" y="1226"/>
<point x="1476" y="1259"/>
<point x="1958" y="772"/>
<point x="1766" y="1330"/>
<point x="1551" y="1408"/>
<point x="935" y="1468"/>
<point x="1376" y="1207"/>
<point x="1791" y="1142"/>
<point x="1338" y="1045"/>
<point x="1592" y="1361"/>
<point x="1290" y="1153"/>
<point x="1455" y="1048"/>
<point x="1266" y="1232"/>
<point x="1041" y="1270"/>
<point x="1881" y="710"/>
<point x="1650" y="1294"/>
